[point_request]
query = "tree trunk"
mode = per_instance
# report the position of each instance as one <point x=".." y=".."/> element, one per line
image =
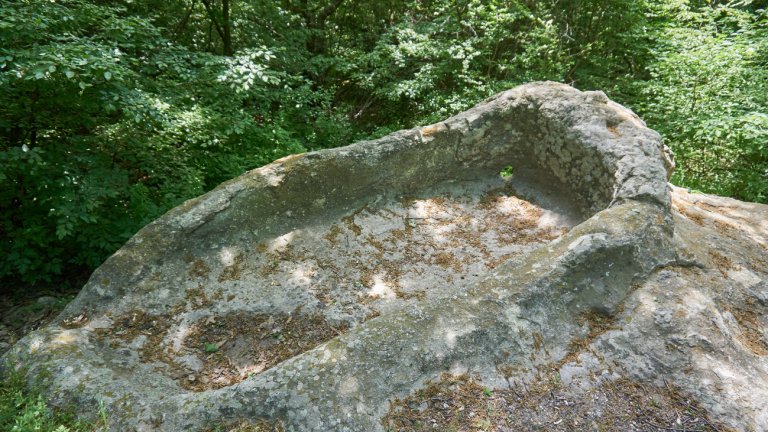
<point x="227" y="27"/>
<point x="222" y="24"/>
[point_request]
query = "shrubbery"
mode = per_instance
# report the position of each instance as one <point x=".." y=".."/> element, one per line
<point x="25" y="410"/>
<point x="106" y="124"/>
<point x="707" y="93"/>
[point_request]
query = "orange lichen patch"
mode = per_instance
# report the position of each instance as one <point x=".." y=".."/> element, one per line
<point x="730" y="229"/>
<point x="730" y="218"/>
<point x="234" y="271"/>
<point x="516" y="222"/>
<point x="598" y="323"/>
<point x="237" y="345"/>
<point x="418" y="295"/>
<point x="452" y="403"/>
<point x="286" y="253"/>
<point x="752" y="334"/>
<point x="349" y="221"/>
<point x="490" y="198"/>
<point x="447" y="260"/>
<point x="714" y="208"/>
<point x="373" y="241"/>
<point x="324" y="297"/>
<point x="432" y="129"/>
<point x="367" y="278"/>
<point x="689" y="213"/>
<point x="721" y="262"/>
<point x="460" y="403"/>
<point x="290" y="160"/>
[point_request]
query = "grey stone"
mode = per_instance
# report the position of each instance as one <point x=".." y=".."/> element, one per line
<point x="410" y="256"/>
<point x="47" y="300"/>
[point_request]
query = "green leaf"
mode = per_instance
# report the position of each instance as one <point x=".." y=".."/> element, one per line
<point x="211" y="347"/>
<point x="107" y="75"/>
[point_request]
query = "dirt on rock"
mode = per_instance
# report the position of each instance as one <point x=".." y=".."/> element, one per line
<point x="461" y="403"/>
<point x="236" y="346"/>
<point x="218" y="351"/>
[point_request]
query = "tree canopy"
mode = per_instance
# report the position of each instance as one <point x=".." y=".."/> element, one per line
<point x="115" y="111"/>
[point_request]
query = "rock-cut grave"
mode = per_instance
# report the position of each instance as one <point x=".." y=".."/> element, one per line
<point x="315" y="290"/>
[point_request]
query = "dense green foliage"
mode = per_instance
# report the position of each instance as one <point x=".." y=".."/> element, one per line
<point x="25" y="410"/>
<point x="115" y="111"/>
<point x="707" y="93"/>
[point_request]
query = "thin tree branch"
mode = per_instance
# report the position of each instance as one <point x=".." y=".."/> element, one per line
<point x="185" y="20"/>
<point x="214" y="21"/>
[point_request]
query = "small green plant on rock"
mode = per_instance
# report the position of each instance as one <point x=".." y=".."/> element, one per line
<point x="25" y="410"/>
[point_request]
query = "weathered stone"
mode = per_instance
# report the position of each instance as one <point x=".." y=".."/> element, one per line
<point x="314" y="290"/>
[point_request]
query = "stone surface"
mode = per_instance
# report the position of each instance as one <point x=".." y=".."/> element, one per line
<point x="316" y="289"/>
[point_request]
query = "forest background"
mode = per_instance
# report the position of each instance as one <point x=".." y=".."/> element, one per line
<point x="113" y="112"/>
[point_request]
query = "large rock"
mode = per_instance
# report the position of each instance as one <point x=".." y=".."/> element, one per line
<point x="316" y="289"/>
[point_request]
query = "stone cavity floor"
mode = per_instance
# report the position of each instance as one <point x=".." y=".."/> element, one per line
<point x="295" y="291"/>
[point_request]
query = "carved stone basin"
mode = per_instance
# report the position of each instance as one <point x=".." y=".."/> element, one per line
<point x="315" y="289"/>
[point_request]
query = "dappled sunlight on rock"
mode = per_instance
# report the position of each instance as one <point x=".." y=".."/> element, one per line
<point x="227" y="256"/>
<point x="273" y="175"/>
<point x="66" y="337"/>
<point x="451" y="334"/>
<point x="380" y="289"/>
<point x="279" y="244"/>
<point x="302" y="275"/>
<point x="178" y="336"/>
<point x="724" y="214"/>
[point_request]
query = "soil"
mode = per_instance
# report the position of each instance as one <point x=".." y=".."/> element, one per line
<point x="461" y="403"/>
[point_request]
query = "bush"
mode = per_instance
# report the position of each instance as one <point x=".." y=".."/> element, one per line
<point x="707" y="94"/>
<point x="106" y="125"/>
<point x="24" y="410"/>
